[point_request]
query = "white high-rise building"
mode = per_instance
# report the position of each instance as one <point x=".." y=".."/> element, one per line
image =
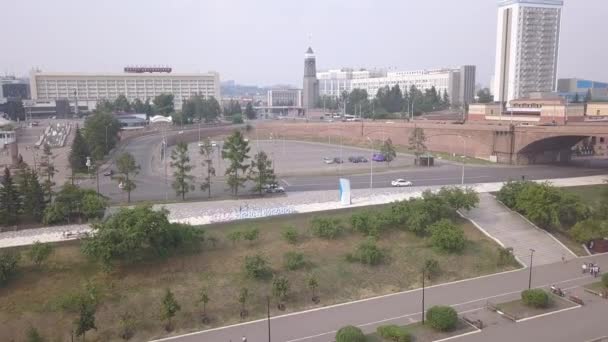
<point x="527" y="45"/>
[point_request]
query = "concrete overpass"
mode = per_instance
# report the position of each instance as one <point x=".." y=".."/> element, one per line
<point x="503" y="143"/>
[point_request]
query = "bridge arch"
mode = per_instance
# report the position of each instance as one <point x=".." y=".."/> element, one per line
<point x="555" y="149"/>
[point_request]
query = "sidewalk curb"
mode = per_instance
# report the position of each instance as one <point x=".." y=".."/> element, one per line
<point x="547" y="314"/>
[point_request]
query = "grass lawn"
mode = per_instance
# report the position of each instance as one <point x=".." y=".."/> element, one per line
<point x="424" y="333"/>
<point x="519" y="310"/>
<point x="35" y="296"/>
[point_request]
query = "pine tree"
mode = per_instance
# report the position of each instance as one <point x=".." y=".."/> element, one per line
<point x="47" y="171"/>
<point x="261" y="172"/>
<point x="32" y="195"/>
<point x="10" y="203"/>
<point x="181" y="163"/>
<point x="79" y="153"/>
<point x="446" y="98"/>
<point x="250" y="112"/>
<point x="588" y="96"/>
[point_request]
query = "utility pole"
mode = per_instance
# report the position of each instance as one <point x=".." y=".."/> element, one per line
<point x="423" y="276"/>
<point x="530" y="277"/>
<point x="268" y="315"/>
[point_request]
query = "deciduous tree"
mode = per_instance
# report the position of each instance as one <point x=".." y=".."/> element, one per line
<point x="127" y="170"/>
<point x="388" y="150"/>
<point x="261" y="172"/>
<point x="163" y="104"/>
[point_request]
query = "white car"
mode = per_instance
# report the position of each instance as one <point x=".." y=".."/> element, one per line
<point x="401" y="182"/>
<point x="328" y="160"/>
<point x="273" y="188"/>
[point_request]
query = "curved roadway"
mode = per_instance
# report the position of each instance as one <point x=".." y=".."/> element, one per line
<point x="152" y="185"/>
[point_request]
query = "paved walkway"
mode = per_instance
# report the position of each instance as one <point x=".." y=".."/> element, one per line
<point x="200" y="213"/>
<point x="511" y="230"/>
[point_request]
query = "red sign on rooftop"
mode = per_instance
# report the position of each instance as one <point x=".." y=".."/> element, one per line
<point x="141" y="70"/>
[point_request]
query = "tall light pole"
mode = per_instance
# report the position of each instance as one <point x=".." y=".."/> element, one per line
<point x="371" y="164"/>
<point x="464" y="156"/>
<point x="107" y="137"/>
<point x="268" y="315"/>
<point x="530" y="277"/>
<point x="423" y="276"/>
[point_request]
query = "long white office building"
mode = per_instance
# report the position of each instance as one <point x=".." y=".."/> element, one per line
<point x="90" y="88"/>
<point x="459" y="83"/>
<point x="334" y="82"/>
<point x="527" y="45"/>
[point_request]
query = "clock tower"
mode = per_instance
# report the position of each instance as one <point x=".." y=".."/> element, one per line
<point x="310" y="89"/>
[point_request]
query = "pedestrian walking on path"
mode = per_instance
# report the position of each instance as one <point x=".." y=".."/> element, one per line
<point x="584" y="268"/>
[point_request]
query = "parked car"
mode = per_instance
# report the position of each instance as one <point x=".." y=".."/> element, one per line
<point x="328" y="160"/>
<point x="352" y="159"/>
<point x="108" y="173"/>
<point x="338" y="160"/>
<point x="273" y="189"/>
<point x="362" y="159"/>
<point x="379" y="157"/>
<point x="401" y="182"/>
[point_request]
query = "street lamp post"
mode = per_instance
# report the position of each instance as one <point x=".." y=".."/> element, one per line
<point x="464" y="155"/>
<point x="423" y="276"/>
<point x="371" y="164"/>
<point x="268" y="315"/>
<point x="530" y="276"/>
<point x="107" y="138"/>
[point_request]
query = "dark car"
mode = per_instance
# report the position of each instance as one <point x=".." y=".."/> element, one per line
<point x="353" y="159"/>
<point x="379" y="157"/>
<point x="362" y="159"/>
<point x="108" y="173"/>
<point x="338" y="160"/>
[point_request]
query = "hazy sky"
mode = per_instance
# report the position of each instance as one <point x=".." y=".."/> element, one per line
<point x="263" y="41"/>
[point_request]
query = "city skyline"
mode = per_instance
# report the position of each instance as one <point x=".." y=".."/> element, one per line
<point x="267" y="48"/>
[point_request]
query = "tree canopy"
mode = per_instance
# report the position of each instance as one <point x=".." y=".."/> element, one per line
<point x="236" y="150"/>
<point x="139" y="233"/>
<point x="101" y="134"/>
<point x="163" y="104"/>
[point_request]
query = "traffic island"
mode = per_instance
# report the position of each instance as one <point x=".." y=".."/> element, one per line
<point x="525" y="309"/>
<point x="425" y="333"/>
<point x="597" y="288"/>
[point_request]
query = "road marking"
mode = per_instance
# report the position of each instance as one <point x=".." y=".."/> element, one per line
<point x="286" y="182"/>
<point x="547" y="314"/>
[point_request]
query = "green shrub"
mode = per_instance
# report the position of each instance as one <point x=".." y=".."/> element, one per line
<point x="442" y="318"/>
<point x="447" y="237"/>
<point x="290" y="234"/>
<point x="350" y="334"/>
<point x="293" y="261"/>
<point x="326" y="228"/>
<point x="366" y="222"/>
<point x="367" y="253"/>
<point x="394" y="333"/>
<point x="535" y="298"/>
<point x="251" y="234"/>
<point x="257" y="267"/>
<point x="458" y="198"/>
<point x="39" y="252"/>
<point x="505" y="256"/>
<point x="8" y="266"/>
<point x="509" y="192"/>
<point x="605" y="279"/>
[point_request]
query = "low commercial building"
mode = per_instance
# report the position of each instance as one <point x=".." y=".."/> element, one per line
<point x="537" y="109"/>
<point x="284" y="98"/>
<point x="89" y="88"/>
<point x="597" y="110"/>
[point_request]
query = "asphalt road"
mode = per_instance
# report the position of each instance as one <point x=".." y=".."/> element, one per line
<point x="320" y="325"/>
<point x="153" y="185"/>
